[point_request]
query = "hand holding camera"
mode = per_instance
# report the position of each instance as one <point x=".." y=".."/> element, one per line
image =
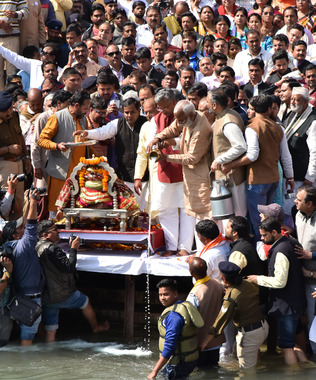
<point x="75" y="241"/>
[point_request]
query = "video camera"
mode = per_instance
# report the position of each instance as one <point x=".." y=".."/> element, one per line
<point x="21" y="177"/>
<point x="42" y="190"/>
<point x="72" y="237"/>
<point x="7" y="252"/>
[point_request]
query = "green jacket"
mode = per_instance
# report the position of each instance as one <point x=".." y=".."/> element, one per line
<point x="187" y="348"/>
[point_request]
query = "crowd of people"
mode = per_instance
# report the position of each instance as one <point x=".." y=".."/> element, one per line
<point x="219" y="90"/>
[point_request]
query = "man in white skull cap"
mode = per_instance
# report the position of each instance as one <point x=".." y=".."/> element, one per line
<point x="301" y="137"/>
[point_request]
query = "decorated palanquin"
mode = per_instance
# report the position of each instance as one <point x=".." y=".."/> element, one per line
<point x="93" y="190"/>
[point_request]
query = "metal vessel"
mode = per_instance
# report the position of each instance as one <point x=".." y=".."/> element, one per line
<point x="221" y="201"/>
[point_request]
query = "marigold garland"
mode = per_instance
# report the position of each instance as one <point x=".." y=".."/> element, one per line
<point x="102" y="171"/>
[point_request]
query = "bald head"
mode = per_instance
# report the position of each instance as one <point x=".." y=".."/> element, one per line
<point x="198" y="268"/>
<point x="35" y="99"/>
<point x="150" y="108"/>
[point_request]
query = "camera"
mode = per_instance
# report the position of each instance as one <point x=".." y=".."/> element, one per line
<point x="7" y="252"/>
<point x="72" y="237"/>
<point x="20" y="177"/>
<point x="41" y="190"/>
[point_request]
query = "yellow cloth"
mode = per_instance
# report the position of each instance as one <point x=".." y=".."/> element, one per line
<point x="55" y="185"/>
<point x="201" y="281"/>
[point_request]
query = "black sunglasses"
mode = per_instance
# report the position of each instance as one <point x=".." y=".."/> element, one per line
<point x="113" y="53"/>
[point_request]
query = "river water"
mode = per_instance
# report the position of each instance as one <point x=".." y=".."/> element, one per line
<point x="106" y="357"/>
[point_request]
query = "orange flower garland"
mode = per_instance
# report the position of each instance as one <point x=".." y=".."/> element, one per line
<point x="94" y="161"/>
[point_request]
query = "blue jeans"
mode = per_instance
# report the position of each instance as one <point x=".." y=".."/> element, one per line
<point x="77" y="300"/>
<point x="287" y="325"/>
<point x="259" y="195"/>
<point x="28" y="333"/>
<point x="180" y="371"/>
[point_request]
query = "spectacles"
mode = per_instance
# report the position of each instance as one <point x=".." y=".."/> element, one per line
<point x="47" y="90"/>
<point x="114" y="53"/>
<point x="52" y="230"/>
<point x="45" y="53"/>
<point x="100" y="112"/>
<point x="268" y="13"/>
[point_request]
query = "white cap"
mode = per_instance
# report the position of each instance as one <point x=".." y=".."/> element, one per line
<point x="131" y="94"/>
<point x="301" y="91"/>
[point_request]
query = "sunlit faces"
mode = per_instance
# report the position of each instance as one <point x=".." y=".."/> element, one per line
<point x="131" y="114"/>
<point x="281" y="65"/>
<point x="251" y="112"/>
<point x="221" y="46"/>
<point x="285" y="93"/>
<point x="299" y="52"/>
<point x="295" y="35"/>
<point x="105" y="91"/>
<point x="255" y="74"/>
<point x="189" y="45"/>
<point x="253" y="42"/>
<point x="310" y="78"/>
<point x="167" y="296"/>
<point x="290" y="17"/>
<point x="298" y="103"/>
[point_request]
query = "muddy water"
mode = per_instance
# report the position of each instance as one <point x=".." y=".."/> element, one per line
<point x="109" y="358"/>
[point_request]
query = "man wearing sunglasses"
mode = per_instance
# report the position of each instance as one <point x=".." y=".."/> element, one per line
<point x="120" y="69"/>
<point x="33" y="67"/>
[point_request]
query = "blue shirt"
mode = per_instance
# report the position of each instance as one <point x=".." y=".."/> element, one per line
<point x="27" y="272"/>
<point x="173" y="324"/>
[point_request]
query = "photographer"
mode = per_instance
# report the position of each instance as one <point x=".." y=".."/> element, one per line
<point x="6" y="268"/>
<point x="27" y="275"/>
<point x="60" y="290"/>
<point x="7" y="200"/>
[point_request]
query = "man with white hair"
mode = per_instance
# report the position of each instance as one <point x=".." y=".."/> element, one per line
<point x="196" y="133"/>
<point x="301" y="137"/>
<point x="178" y="227"/>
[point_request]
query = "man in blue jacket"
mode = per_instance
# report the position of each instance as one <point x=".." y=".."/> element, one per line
<point x="27" y="273"/>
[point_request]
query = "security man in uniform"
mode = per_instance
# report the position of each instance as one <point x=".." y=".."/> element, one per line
<point x="177" y="327"/>
<point x="241" y="303"/>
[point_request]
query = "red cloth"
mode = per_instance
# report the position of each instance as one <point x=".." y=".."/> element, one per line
<point x="221" y="10"/>
<point x="168" y="172"/>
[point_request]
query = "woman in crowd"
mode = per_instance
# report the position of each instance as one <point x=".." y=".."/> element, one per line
<point x="255" y="23"/>
<point x="258" y="6"/>
<point x="267" y="21"/>
<point x="222" y="25"/>
<point x="305" y="13"/>
<point x="208" y="45"/>
<point x="240" y="28"/>
<point x="206" y="26"/>
<point x="234" y="47"/>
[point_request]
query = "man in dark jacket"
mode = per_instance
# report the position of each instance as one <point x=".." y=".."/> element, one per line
<point x="286" y="287"/>
<point x="60" y="291"/>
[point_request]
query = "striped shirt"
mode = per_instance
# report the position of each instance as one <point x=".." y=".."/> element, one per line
<point x="21" y="9"/>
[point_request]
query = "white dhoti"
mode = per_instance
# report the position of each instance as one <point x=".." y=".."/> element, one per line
<point x="178" y="227"/>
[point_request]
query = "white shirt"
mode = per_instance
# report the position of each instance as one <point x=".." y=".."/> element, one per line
<point x="128" y="5"/>
<point x="145" y="36"/>
<point x="253" y="151"/>
<point x="242" y="59"/>
<point x="308" y="37"/>
<point x="105" y="132"/>
<point x="31" y="66"/>
<point x="238" y="144"/>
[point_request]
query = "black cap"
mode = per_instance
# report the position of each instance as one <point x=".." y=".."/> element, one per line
<point x="89" y="82"/>
<point x="229" y="269"/>
<point x="10" y="228"/>
<point x="5" y="101"/>
<point x="54" y="24"/>
<point x="110" y="1"/>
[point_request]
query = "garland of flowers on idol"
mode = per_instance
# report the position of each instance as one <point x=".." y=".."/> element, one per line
<point x="102" y="171"/>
